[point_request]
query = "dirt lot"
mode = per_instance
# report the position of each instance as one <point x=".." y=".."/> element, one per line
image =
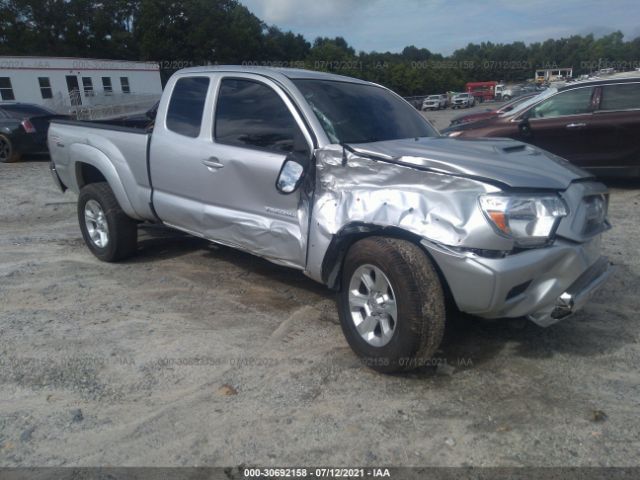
<point x="191" y="354"/>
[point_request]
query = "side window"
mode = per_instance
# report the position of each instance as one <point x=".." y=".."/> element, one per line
<point x="45" y="87"/>
<point x="184" y="115"/>
<point x="6" y="89"/>
<point x="250" y="114"/>
<point x="571" y="102"/>
<point x="124" y="83"/>
<point x="106" y="85"/>
<point x="620" y="97"/>
<point x="87" y="85"/>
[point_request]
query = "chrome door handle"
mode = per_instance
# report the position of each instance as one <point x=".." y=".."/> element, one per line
<point x="576" y="125"/>
<point x="212" y="163"/>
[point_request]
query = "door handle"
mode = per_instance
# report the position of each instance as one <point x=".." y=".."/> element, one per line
<point x="212" y="163"/>
<point x="576" y="125"/>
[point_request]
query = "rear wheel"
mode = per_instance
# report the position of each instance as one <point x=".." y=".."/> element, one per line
<point x="7" y="152"/>
<point x="391" y="305"/>
<point x="108" y="232"/>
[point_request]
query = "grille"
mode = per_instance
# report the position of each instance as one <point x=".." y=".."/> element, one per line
<point x="595" y="216"/>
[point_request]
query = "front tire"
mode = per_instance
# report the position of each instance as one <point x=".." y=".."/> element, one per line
<point x="391" y="304"/>
<point x="108" y="232"/>
<point x="7" y="152"/>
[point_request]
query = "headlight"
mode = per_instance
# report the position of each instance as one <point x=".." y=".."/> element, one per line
<point x="530" y="220"/>
<point x="455" y="134"/>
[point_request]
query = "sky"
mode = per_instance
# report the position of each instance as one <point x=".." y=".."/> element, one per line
<point x="442" y="26"/>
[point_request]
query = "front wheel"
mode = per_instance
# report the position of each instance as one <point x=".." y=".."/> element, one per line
<point x="391" y="304"/>
<point x="108" y="232"/>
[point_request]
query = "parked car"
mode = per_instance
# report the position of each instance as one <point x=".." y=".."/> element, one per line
<point x="488" y="113"/>
<point x="463" y="100"/>
<point x="343" y="180"/>
<point x="435" y="102"/>
<point x="592" y="124"/>
<point x="23" y="129"/>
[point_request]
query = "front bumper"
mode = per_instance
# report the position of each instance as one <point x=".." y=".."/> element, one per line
<point x="543" y="284"/>
<point x="574" y="298"/>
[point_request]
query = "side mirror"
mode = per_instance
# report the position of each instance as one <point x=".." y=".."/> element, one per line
<point x="290" y="175"/>
<point x="524" y="127"/>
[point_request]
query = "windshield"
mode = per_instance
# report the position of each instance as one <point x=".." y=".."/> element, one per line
<point x="507" y="107"/>
<point x="524" y="105"/>
<point x="360" y="113"/>
<point x="433" y="97"/>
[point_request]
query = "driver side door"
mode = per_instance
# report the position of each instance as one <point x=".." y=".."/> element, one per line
<point x="255" y="128"/>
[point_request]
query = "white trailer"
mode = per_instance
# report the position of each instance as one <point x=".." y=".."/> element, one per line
<point x="68" y="84"/>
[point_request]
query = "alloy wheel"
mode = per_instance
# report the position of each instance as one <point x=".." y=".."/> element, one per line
<point x="96" y="223"/>
<point x="372" y="305"/>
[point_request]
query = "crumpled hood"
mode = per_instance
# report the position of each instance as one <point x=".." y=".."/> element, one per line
<point x="509" y="162"/>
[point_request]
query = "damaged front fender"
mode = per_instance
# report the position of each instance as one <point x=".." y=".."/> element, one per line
<point x="354" y="189"/>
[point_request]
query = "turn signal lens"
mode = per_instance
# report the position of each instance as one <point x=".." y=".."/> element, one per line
<point x="499" y="220"/>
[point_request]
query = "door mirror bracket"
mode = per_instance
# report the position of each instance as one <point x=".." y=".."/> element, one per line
<point x="524" y="127"/>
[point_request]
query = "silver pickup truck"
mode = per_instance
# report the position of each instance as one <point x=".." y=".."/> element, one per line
<point x="345" y="181"/>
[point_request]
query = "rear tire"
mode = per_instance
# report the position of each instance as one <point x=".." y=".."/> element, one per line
<point x="7" y="152"/>
<point x="386" y="277"/>
<point x="108" y="232"/>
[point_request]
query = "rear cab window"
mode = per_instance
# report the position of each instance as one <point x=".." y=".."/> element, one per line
<point x="186" y="106"/>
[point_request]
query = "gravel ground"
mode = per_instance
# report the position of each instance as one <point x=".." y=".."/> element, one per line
<point x="192" y="354"/>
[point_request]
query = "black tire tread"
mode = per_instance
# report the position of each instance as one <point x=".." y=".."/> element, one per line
<point x="123" y="230"/>
<point x="15" y="156"/>
<point x="420" y="281"/>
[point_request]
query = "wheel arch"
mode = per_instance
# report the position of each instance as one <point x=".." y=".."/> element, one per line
<point x="349" y="234"/>
<point x="93" y="166"/>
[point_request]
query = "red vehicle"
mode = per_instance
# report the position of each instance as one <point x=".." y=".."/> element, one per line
<point x="592" y="124"/>
<point x="482" y="91"/>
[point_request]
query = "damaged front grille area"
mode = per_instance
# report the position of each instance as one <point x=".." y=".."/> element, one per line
<point x="588" y="203"/>
<point x="596" y="209"/>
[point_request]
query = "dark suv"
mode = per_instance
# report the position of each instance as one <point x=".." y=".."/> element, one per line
<point x="595" y="125"/>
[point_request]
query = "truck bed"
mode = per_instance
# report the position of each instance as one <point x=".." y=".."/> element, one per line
<point x="119" y="152"/>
